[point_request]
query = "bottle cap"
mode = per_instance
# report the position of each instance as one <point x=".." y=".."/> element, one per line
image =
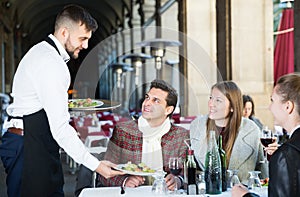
<point x="191" y="152"/>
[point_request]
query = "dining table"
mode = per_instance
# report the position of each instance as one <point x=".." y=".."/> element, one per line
<point x="145" y="191"/>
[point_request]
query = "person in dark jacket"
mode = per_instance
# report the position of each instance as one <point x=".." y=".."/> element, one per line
<point x="284" y="167"/>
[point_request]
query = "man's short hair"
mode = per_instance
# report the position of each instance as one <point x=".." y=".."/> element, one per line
<point x="76" y="14"/>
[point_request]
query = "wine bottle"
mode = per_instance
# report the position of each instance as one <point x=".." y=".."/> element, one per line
<point x="213" y="172"/>
<point x="223" y="164"/>
<point x="185" y="179"/>
<point x="191" y="174"/>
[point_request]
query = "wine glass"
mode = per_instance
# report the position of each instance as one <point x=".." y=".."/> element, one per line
<point x="175" y="167"/>
<point x="266" y="138"/>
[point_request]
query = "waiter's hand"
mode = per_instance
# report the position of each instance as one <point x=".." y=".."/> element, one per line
<point x="105" y="169"/>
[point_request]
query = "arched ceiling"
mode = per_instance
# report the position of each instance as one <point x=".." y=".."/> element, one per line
<point x="35" y="18"/>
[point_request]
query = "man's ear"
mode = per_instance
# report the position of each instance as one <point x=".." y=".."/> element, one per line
<point x="169" y="110"/>
<point x="64" y="34"/>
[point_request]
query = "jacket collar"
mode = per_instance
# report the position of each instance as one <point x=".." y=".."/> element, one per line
<point x="242" y="146"/>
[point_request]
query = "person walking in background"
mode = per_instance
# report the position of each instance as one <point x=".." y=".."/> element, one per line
<point x="241" y="136"/>
<point x="249" y="112"/>
<point x="284" y="167"/>
<point x="39" y="117"/>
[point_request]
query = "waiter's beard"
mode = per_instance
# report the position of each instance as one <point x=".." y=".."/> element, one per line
<point x="71" y="50"/>
<point x="72" y="54"/>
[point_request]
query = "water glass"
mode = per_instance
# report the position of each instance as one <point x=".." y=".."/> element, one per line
<point x="234" y="179"/>
<point x="254" y="181"/>
<point x="201" y="184"/>
<point x="159" y="186"/>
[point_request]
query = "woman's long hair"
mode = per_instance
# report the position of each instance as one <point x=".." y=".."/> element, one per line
<point x="234" y="95"/>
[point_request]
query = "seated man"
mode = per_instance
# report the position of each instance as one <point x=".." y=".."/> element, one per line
<point x="152" y="139"/>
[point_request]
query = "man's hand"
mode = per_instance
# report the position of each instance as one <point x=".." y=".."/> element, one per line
<point x="172" y="182"/>
<point x="105" y="169"/>
<point x="134" y="181"/>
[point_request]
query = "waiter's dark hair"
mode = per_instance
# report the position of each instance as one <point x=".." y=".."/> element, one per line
<point x="77" y="14"/>
<point x="172" y="94"/>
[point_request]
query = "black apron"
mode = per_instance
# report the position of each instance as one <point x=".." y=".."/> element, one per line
<point x="42" y="171"/>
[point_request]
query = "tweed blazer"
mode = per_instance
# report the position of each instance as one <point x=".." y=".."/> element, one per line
<point x="247" y="150"/>
<point x="126" y="145"/>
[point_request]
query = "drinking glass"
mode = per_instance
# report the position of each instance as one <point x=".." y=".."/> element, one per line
<point x="201" y="184"/>
<point x="159" y="186"/>
<point x="254" y="181"/>
<point x="234" y="179"/>
<point x="266" y="138"/>
<point x="228" y="177"/>
<point x="175" y="167"/>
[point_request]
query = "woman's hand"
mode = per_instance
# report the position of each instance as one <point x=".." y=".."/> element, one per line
<point x="239" y="190"/>
<point x="271" y="148"/>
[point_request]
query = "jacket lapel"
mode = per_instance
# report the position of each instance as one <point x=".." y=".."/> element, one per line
<point x="242" y="150"/>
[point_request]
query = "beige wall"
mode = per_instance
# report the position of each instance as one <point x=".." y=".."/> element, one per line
<point x="201" y="31"/>
<point x="252" y="49"/>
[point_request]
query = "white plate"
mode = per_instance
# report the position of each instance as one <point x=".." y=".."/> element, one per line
<point x="119" y="167"/>
<point x="99" y="103"/>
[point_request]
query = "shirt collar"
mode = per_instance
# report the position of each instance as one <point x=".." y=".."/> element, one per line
<point x="61" y="49"/>
<point x="291" y="133"/>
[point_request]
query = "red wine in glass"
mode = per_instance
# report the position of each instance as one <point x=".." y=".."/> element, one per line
<point x="175" y="167"/>
<point x="175" y="171"/>
<point x="266" y="138"/>
<point x="266" y="141"/>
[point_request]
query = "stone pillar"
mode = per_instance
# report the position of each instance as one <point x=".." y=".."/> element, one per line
<point x="252" y="53"/>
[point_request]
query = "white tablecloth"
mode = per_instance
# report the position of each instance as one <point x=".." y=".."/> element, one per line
<point x="145" y="191"/>
<point x="142" y="191"/>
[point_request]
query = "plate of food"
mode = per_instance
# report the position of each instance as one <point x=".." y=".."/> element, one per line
<point x="140" y="169"/>
<point x="84" y="103"/>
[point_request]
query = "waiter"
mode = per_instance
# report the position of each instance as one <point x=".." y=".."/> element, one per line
<point x="39" y="114"/>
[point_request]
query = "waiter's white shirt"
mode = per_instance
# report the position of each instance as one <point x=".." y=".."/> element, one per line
<point x="41" y="81"/>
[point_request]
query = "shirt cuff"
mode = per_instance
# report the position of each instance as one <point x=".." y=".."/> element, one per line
<point x="124" y="182"/>
<point x="181" y="180"/>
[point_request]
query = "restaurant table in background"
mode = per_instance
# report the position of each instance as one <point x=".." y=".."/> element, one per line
<point x="142" y="191"/>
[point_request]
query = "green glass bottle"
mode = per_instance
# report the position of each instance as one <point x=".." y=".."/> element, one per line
<point x="223" y="164"/>
<point x="213" y="172"/>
